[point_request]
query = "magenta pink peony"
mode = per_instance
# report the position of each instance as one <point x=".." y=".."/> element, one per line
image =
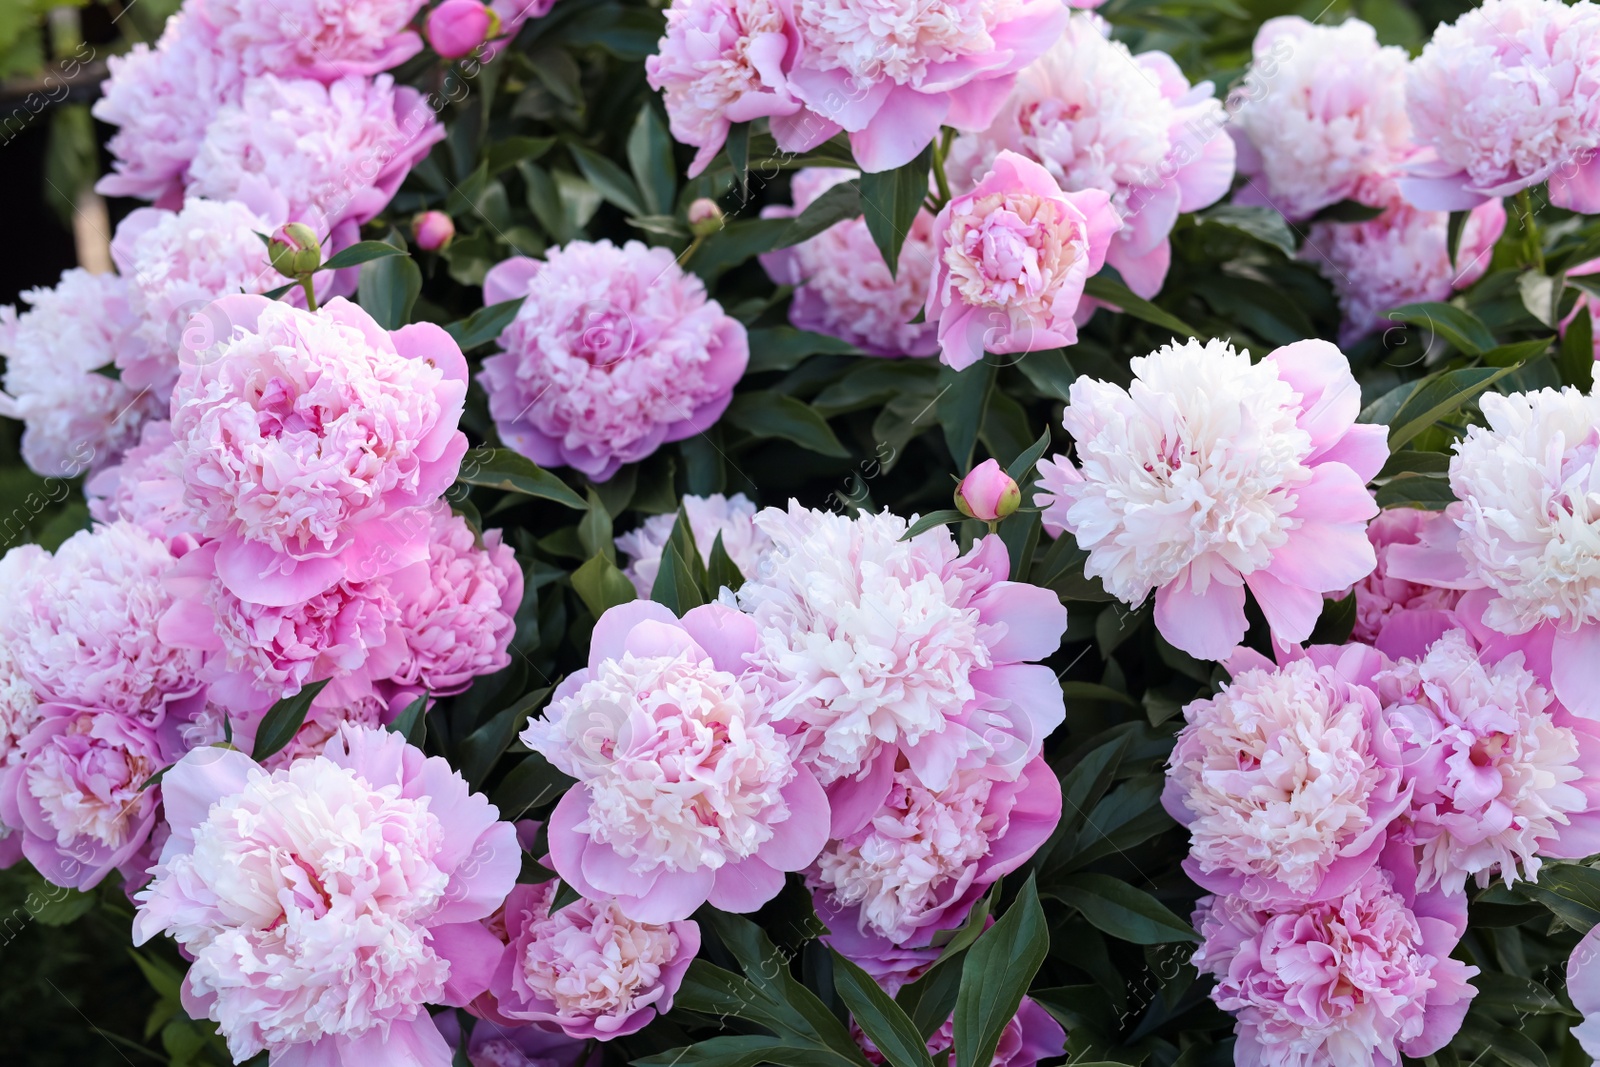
<point x="843" y="288"/>
<point x="1010" y="261"/>
<point x="892" y="76"/>
<point x="1285" y="781"/>
<point x="871" y="646"/>
<point x="75" y="419"/>
<point x="1525" y="537"/>
<point x="1098" y="117"/>
<point x="1320" y="117"/>
<point x="687" y="793"/>
<point x="614" y="352"/>
<point x="1031" y="1035"/>
<point x="730" y="517"/>
<point x="1364" y="978"/>
<point x="1505" y="98"/>
<point x="926" y="856"/>
<point x="323" y="39"/>
<point x="1400" y="257"/>
<point x="1213" y="474"/>
<point x="1398" y="617"/>
<point x="326" y="903"/>
<point x="722" y="62"/>
<point x="310" y="442"/>
<point x="587" y="969"/>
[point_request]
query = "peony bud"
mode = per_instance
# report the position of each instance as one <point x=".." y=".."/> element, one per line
<point x="295" y="251"/>
<point x="457" y="27"/>
<point x="433" y="230"/>
<point x="988" y="493"/>
<point x="705" y="217"/>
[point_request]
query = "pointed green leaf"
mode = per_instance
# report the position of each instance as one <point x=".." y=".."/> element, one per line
<point x="1461" y="328"/>
<point x="609" y="180"/>
<point x="931" y="520"/>
<point x="890" y="201"/>
<point x="1438" y="397"/>
<point x="528" y="785"/>
<point x="411" y="723"/>
<point x="284" y="720"/>
<point x="363" y="252"/>
<point x="601" y="586"/>
<point x="769" y="414"/>
<point x="880" y="1018"/>
<point x="1577" y="352"/>
<point x="501" y="468"/>
<point x="675" y="586"/>
<point x="996" y="973"/>
<point x="1105" y="288"/>
<point x="1123" y="911"/>
<point x="721" y="571"/>
<point x="485" y="324"/>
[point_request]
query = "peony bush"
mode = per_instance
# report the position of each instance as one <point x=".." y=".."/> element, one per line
<point x="977" y="533"/>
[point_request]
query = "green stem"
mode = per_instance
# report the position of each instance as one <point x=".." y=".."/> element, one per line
<point x="1533" y="247"/>
<point x="311" y="296"/>
<point x="940" y="148"/>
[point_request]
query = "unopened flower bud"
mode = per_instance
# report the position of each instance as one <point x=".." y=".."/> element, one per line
<point x="433" y="230"/>
<point x="457" y="27"/>
<point x="295" y="251"/>
<point x="988" y="493"/>
<point x="705" y="217"/>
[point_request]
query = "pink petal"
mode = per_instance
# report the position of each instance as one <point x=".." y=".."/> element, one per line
<point x="1575" y="670"/>
<point x="473" y="953"/>
<point x="610" y="637"/>
<point x="1206" y="625"/>
<point x="744" y="886"/>
<point x="907" y="123"/>
<point x="727" y="636"/>
<point x="1291" y="610"/>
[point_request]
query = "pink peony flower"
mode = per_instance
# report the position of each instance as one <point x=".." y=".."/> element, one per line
<point x="1583" y="986"/>
<point x="687" y="793"/>
<point x="322" y="39"/>
<point x="1010" y="261"/>
<point x="146" y="489"/>
<point x="19" y="714"/>
<point x="927" y="855"/>
<point x="892" y="76"/>
<point x="614" y="352"/>
<point x="1285" y="779"/>
<point x="1398" y="617"/>
<point x="721" y="62"/>
<point x="1320" y="117"/>
<point x="82" y="626"/>
<point x="75" y="419"/>
<point x="336" y="153"/>
<point x="1584" y="301"/>
<point x="871" y="646"/>
<point x="1495" y="766"/>
<point x="1507" y="97"/>
<point x="1097" y="117"/>
<point x="75" y="793"/>
<point x="842" y="286"/>
<point x="326" y="903"/>
<point x="587" y="969"/>
<point x="1212" y="474"/>
<point x="730" y="516"/>
<point x="1526" y="537"/>
<point x="308" y="442"/>
<point x="1031" y="1035"/>
<point x="162" y="99"/>
<point x="1363" y="978"/>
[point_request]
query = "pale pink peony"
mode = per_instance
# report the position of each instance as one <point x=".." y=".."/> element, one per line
<point x="1031" y="1035"/>
<point x="1320" y="117"/>
<point x="588" y="969"/>
<point x="892" y="75"/>
<point x="335" y="153"/>
<point x="1495" y="770"/>
<point x="82" y="625"/>
<point x="926" y="856"/>
<point x="872" y="646"/>
<point x="1213" y="474"/>
<point x="1362" y="979"/>
<point x="1584" y="301"/>
<point x="842" y="286"/>
<point x="686" y="792"/>
<point x="731" y="517"/>
<point x="75" y="792"/>
<point x="614" y="352"/>
<point x="1526" y="537"/>
<point x="162" y="99"/>
<point x="75" y="419"/>
<point x="721" y="62"/>
<point x="1401" y="257"/>
<point x="1583" y="986"/>
<point x="1398" y="617"/>
<point x="1506" y="97"/>
<point x="146" y="489"/>
<point x="326" y="903"/>
<point x="1098" y="117"/>
<point x="1285" y="781"/>
<point x="19" y="706"/>
<point x="310" y="442"/>
<point x="1010" y="261"/>
<point x="323" y="39"/>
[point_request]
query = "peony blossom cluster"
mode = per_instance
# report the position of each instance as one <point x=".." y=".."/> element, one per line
<point x="613" y="353"/>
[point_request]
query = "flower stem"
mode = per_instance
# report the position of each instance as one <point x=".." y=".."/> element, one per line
<point x="311" y="296"/>
<point x="1533" y="246"/>
<point x="940" y="147"/>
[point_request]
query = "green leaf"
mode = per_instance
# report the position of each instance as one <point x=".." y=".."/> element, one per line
<point x="411" y="723"/>
<point x="594" y="529"/>
<point x="1414" y="462"/>
<point x="1570" y="890"/>
<point x="1263" y="224"/>
<point x="1346" y="211"/>
<point x="388" y="289"/>
<point x="963" y="399"/>
<point x="675" y="586"/>
<point x="601" y="586"/>
<point x="1457" y="226"/>
<point x="1123" y="911"/>
<point x="1461" y="328"/>
<point x="996" y="973"/>
<point x="835" y="205"/>
<point x="721" y="571"/>
<point x="1576" y="362"/>
<point x="609" y="180"/>
<point x="363" y="252"/>
<point x="1105" y="288"/>
<point x="650" y="159"/>
<point x="931" y="520"/>
<point x="479" y="750"/>
<point x="769" y="414"/>
<point x="528" y="785"/>
<point x="1426" y="491"/>
<point x="1439" y="396"/>
<point x="506" y="152"/>
<point x="749" y="1050"/>
<point x="890" y="201"/>
<point x="284" y="720"/>
<point x="53" y="905"/>
<point x="784" y="347"/>
<point x="1517" y="352"/>
<point x="930" y="999"/>
<point x="737" y="146"/>
<point x="880" y="1018"/>
<point x="1050" y="372"/>
<point x="1023" y="465"/>
<point x="501" y="468"/>
<point x="484" y="325"/>
<point x="732" y="245"/>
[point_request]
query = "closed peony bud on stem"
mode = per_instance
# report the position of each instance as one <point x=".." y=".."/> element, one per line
<point x="457" y="27"/>
<point x="705" y="217"/>
<point x="988" y="493"/>
<point x="296" y="252"/>
<point x="433" y="230"/>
